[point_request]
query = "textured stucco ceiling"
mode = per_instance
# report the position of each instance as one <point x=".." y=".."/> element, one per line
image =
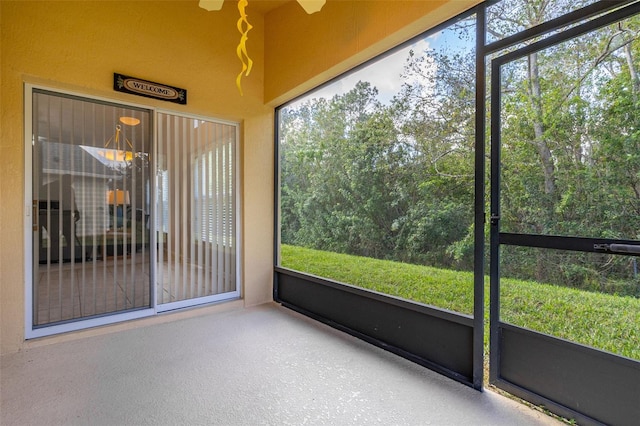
<point x="264" y="6"/>
<point x="257" y="6"/>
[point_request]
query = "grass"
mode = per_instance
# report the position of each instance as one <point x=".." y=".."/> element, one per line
<point x="603" y="321"/>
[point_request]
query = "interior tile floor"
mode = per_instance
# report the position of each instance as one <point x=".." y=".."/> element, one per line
<point x="72" y="290"/>
<point x="75" y="290"/>
<point x="65" y="293"/>
<point x="252" y="366"/>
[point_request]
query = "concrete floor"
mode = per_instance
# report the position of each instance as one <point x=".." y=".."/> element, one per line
<point x="261" y="365"/>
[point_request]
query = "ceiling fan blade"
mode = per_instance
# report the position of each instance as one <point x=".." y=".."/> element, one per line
<point x="210" y="5"/>
<point x="312" y="6"/>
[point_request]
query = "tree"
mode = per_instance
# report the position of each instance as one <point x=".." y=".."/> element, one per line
<point x="396" y="180"/>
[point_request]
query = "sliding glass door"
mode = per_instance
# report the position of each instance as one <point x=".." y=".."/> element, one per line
<point x="133" y="212"/>
<point x="91" y="208"/>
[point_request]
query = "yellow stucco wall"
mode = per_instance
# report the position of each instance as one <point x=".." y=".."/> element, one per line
<point x="302" y="52"/>
<point x="77" y="45"/>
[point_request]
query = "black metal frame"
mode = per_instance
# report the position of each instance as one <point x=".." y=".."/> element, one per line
<point x="435" y="338"/>
<point x="569" y="379"/>
<point x="479" y="199"/>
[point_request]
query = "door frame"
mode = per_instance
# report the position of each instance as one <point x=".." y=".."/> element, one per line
<point x="558" y="374"/>
<point x="77" y="324"/>
<point x="32" y="332"/>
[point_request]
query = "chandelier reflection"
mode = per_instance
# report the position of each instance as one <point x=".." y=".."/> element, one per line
<point x="118" y="153"/>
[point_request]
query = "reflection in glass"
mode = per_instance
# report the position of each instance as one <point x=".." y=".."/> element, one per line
<point x="91" y="242"/>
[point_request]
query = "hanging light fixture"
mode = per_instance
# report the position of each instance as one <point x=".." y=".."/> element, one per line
<point x="120" y="154"/>
<point x="129" y="121"/>
<point x="243" y="25"/>
<point x="116" y="153"/>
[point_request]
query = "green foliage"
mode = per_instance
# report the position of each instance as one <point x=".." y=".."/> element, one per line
<point x="396" y="181"/>
<point x="362" y="178"/>
<point x="607" y="322"/>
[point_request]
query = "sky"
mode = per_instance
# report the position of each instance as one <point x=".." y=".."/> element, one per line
<point x="384" y="73"/>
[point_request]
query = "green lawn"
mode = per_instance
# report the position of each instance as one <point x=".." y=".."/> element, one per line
<point x="603" y="321"/>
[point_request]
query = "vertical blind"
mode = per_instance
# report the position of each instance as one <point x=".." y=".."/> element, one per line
<point x="91" y="175"/>
<point x="196" y="214"/>
<point x="91" y="205"/>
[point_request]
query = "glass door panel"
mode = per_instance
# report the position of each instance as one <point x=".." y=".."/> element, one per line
<point x="90" y="165"/>
<point x="196" y="211"/>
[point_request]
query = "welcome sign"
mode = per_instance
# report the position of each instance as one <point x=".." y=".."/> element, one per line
<point x="149" y="89"/>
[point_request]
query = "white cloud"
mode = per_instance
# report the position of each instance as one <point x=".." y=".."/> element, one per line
<point x="384" y="74"/>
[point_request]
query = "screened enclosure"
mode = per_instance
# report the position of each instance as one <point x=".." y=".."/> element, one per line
<point x="492" y="156"/>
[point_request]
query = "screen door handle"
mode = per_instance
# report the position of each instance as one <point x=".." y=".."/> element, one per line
<point x="625" y="248"/>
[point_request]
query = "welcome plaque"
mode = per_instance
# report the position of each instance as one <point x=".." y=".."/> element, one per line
<point x="149" y="89"/>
